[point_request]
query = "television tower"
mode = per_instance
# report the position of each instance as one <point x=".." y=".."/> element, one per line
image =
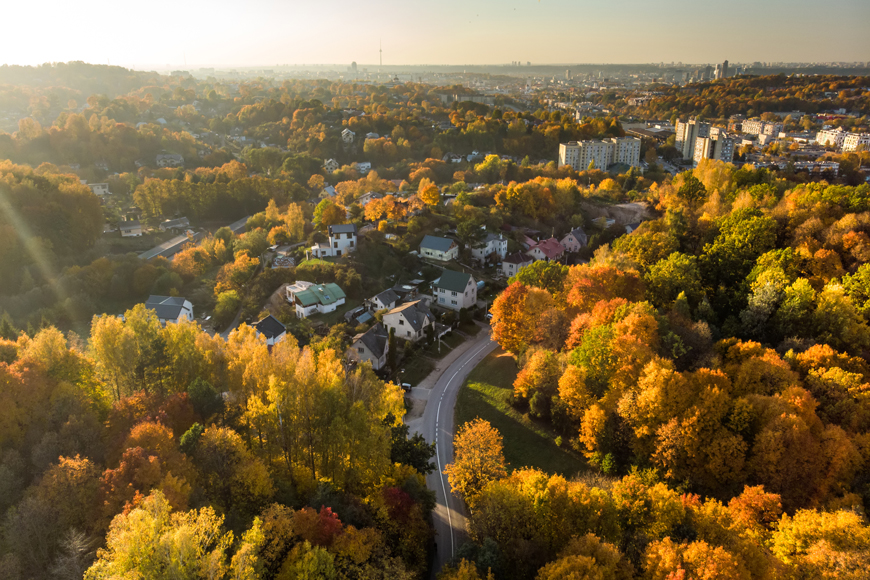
<point x="381" y="53"/>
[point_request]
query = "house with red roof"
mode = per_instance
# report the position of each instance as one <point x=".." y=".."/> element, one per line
<point x="549" y="249"/>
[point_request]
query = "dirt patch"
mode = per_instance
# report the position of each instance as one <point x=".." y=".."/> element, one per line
<point x="277" y="300"/>
<point x="417" y="408"/>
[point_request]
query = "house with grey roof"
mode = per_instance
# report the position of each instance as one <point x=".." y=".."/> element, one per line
<point x="409" y="320"/>
<point x="177" y="224"/>
<point x="437" y="248"/>
<point x="386" y="299"/>
<point x="318" y="298"/>
<point x="130" y="228"/>
<point x="512" y="263"/>
<point x="455" y="290"/>
<point x="342" y="241"/>
<point x="574" y="240"/>
<point x="371" y="346"/>
<point x="272" y="329"/>
<point x="170" y="308"/>
<point x="493" y="245"/>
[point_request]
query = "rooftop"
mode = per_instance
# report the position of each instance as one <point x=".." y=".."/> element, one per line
<point x="453" y="281"/>
<point x="320" y="294"/>
<point x="436" y="243"/>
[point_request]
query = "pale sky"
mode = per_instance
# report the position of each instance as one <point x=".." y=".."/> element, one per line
<point x="271" y="32"/>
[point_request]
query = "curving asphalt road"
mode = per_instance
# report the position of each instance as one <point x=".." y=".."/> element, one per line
<point x="437" y="427"/>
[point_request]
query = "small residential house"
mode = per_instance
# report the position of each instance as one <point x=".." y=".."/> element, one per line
<point x="318" y="299"/>
<point x="364" y="167"/>
<point x="130" y="228"/>
<point x="331" y="165"/>
<point x="452" y="158"/>
<point x="367" y="197"/>
<point x="100" y="189"/>
<point x="342" y="241"/>
<point x="549" y="249"/>
<point x="170" y="308"/>
<point x="574" y="240"/>
<point x="409" y="320"/>
<point x="371" y="346"/>
<point x="437" y="248"/>
<point x="169" y="160"/>
<point x="512" y="264"/>
<point x="372" y="136"/>
<point x="386" y="299"/>
<point x="272" y="329"/>
<point x="629" y="228"/>
<point x="491" y="245"/>
<point x="328" y="191"/>
<point x="292" y="289"/>
<point x="455" y="290"/>
<point x="347" y="136"/>
<point x="179" y="224"/>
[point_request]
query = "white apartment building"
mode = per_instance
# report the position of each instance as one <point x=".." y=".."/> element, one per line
<point x="831" y="138"/>
<point x="759" y="127"/>
<point x="579" y="154"/>
<point x="855" y="140"/>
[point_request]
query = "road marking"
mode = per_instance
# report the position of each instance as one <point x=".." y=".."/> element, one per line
<point x="437" y="453"/>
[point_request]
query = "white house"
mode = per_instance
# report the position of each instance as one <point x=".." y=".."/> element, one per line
<point x="455" y="290"/>
<point x="100" y="189"/>
<point x="372" y="346"/>
<point x="331" y="165"/>
<point x="130" y="228"/>
<point x="292" y="289"/>
<point x="372" y="136"/>
<point x="364" y="167"/>
<point x="272" y="329"/>
<point x="437" y="248"/>
<point x="574" y="240"/>
<point x="318" y="298"/>
<point x="347" y="136"/>
<point x="176" y="224"/>
<point x="493" y="244"/>
<point x="409" y="320"/>
<point x="170" y="308"/>
<point x="386" y="299"/>
<point x="512" y="264"/>
<point x="342" y="241"/>
<point x="367" y="197"/>
<point x="170" y="160"/>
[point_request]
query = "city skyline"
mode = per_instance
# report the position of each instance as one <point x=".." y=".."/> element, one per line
<point x="484" y="32"/>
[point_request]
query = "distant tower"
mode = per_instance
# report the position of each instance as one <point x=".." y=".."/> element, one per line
<point x="381" y="53"/>
<point x="725" y="70"/>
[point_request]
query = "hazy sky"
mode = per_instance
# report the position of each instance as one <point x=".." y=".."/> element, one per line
<point x="270" y="32"/>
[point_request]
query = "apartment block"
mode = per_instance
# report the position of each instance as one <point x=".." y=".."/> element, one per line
<point x="687" y="133"/>
<point x="579" y="154"/>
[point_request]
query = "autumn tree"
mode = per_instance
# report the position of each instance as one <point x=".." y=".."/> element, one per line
<point x="479" y="459"/>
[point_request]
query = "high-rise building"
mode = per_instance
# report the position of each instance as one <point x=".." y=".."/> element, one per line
<point x="719" y="145"/>
<point x="725" y="70"/>
<point x="687" y="133"/>
<point x="579" y="154"/>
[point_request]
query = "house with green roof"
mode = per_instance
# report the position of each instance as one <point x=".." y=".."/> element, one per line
<point x="318" y="298"/>
<point x="455" y="290"/>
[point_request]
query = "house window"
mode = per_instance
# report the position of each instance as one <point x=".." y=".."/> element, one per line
<point x="361" y="349"/>
<point x="409" y="333"/>
<point x="453" y="293"/>
<point x="351" y="243"/>
<point x="453" y="301"/>
<point x="441" y="299"/>
<point x="401" y="323"/>
<point x="334" y="244"/>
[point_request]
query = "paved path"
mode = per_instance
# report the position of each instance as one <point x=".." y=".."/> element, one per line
<point x="436" y="425"/>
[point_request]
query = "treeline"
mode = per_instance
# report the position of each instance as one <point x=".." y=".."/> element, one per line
<point x="146" y="442"/>
<point x="752" y="96"/>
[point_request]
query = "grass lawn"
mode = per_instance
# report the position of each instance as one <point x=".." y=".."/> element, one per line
<point x="470" y="328"/>
<point x="527" y="443"/>
<point x="452" y="341"/>
<point x="314" y="261"/>
<point x="337" y="315"/>
<point x="416" y="370"/>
